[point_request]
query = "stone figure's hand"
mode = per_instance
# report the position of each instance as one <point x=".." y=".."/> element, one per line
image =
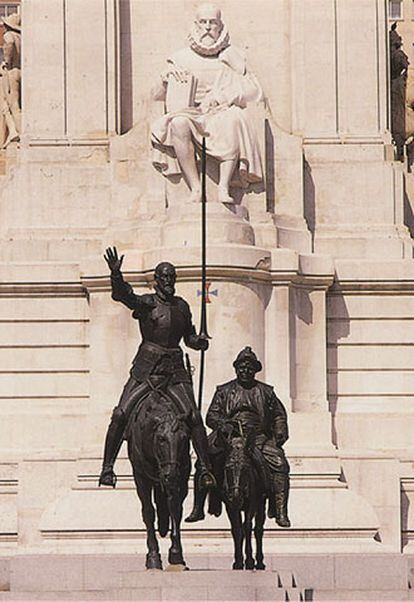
<point x="208" y="103"/>
<point x="114" y="262"/>
<point x="180" y="75"/>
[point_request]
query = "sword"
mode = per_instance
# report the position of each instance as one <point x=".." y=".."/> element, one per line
<point x="203" y="315"/>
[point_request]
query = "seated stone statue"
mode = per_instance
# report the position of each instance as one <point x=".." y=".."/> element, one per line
<point x="247" y="404"/>
<point x="217" y="87"/>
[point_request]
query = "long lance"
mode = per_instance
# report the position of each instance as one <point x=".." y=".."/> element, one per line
<point x="203" y="317"/>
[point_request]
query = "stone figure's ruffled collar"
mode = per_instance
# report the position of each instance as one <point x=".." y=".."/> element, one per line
<point x="220" y="44"/>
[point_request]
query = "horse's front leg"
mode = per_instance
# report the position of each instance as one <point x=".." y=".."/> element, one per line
<point x="175" y="553"/>
<point x="247" y="528"/>
<point x="258" y="533"/>
<point x="237" y="533"/>
<point x="153" y="560"/>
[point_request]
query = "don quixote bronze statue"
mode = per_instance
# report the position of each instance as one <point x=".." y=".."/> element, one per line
<point x="241" y="464"/>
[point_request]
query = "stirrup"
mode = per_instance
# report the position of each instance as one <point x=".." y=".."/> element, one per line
<point x="108" y="477"/>
<point x="207" y="480"/>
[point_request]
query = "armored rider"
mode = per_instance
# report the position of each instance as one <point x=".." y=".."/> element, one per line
<point x="164" y="320"/>
<point x="248" y="404"/>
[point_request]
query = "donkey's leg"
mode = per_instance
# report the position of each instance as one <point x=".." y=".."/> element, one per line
<point x="153" y="560"/>
<point x="247" y="528"/>
<point x="258" y="533"/>
<point x="237" y="533"/>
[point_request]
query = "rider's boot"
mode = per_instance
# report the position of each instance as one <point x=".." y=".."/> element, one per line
<point x="113" y="442"/>
<point x="281" y="500"/>
<point x="199" y="439"/>
<point x="200" y="494"/>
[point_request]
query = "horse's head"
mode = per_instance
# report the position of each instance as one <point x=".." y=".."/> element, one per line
<point x="237" y="472"/>
<point x="171" y="445"/>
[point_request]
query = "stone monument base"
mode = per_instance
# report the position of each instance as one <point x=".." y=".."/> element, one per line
<point x="120" y="577"/>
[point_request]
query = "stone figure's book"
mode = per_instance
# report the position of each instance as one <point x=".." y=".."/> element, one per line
<point x="180" y="95"/>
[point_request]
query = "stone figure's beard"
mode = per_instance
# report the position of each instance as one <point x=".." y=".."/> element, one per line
<point x="196" y="42"/>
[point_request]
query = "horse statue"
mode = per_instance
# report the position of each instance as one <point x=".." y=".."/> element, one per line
<point x="158" y="437"/>
<point x="244" y="497"/>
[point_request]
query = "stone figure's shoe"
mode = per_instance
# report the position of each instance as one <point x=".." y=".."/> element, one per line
<point x="223" y="195"/>
<point x="195" y="515"/>
<point x="195" y="196"/>
<point x="12" y="137"/>
<point x="107" y="477"/>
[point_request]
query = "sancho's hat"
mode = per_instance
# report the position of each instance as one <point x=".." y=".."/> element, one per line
<point x="12" y="21"/>
<point x="247" y="355"/>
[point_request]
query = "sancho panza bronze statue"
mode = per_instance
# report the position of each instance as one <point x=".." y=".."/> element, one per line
<point x="251" y="406"/>
<point x="164" y="320"/>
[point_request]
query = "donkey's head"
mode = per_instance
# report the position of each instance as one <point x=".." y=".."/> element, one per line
<point x="237" y="472"/>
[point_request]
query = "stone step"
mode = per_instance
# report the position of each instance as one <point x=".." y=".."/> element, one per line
<point x="213" y="593"/>
<point x="287" y="577"/>
<point x="357" y="595"/>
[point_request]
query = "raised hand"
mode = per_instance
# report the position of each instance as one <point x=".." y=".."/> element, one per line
<point x="114" y="262"/>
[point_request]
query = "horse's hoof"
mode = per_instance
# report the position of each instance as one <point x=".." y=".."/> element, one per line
<point x="107" y="477"/>
<point x="175" y="557"/>
<point x="249" y="565"/>
<point x="153" y="561"/>
<point x="260" y="566"/>
<point x="177" y="568"/>
<point x="238" y="566"/>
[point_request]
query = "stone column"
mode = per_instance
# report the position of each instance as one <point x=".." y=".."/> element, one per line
<point x="277" y="345"/>
<point x="278" y="352"/>
<point x="308" y="336"/>
<point x="68" y="71"/>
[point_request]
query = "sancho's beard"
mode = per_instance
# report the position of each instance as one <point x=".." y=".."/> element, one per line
<point x="196" y="42"/>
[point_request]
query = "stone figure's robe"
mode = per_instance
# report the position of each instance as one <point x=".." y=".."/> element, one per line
<point x="230" y="133"/>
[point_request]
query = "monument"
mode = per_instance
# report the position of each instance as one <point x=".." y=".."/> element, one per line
<point x="311" y="267"/>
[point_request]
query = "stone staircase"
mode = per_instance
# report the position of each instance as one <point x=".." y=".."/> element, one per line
<point x="287" y="578"/>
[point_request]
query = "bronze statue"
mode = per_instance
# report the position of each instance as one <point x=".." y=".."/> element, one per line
<point x="399" y="70"/>
<point x="248" y="407"/>
<point x="164" y="320"/>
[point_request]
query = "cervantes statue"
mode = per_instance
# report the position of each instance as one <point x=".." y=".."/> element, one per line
<point x="207" y="87"/>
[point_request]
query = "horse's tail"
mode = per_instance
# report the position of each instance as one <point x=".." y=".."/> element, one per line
<point x="163" y="515"/>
